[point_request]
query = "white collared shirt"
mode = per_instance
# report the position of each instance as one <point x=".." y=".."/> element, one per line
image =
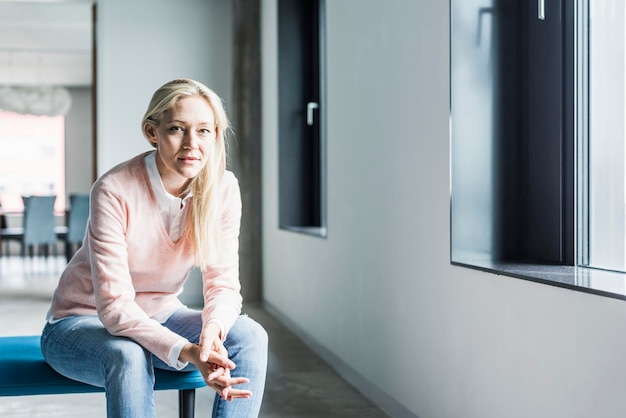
<point x="171" y="207"/>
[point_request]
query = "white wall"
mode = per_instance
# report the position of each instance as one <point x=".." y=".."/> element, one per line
<point x="378" y="297"/>
<point x="143" y="44"/>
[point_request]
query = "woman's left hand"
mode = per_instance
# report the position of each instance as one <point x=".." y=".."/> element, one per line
<point x="220" y="379"/>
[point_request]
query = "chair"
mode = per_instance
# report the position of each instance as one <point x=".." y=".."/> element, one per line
<point x="77" y="218"/>
<point x="39" y="225"/>
<point x="3" y="227"/>
<point x="38" y="228"/>
<point x="8" y="234"/>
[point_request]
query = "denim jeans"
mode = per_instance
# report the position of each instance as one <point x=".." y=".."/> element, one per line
<point x="80" y="348"/>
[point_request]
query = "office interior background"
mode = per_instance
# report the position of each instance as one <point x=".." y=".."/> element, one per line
<point x="373" y="290"/>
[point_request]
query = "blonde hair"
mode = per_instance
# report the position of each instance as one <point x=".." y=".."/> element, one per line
<point x="204" y="220"/>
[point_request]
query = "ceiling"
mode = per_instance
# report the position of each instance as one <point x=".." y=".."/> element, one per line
<point x="46" y="43"/>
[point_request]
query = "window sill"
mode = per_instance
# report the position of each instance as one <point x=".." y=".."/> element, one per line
<point x="317" y="231"/>
<point x="583" y="279"/>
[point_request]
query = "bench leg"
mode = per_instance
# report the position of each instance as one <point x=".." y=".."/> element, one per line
<point x="186" y="403"/>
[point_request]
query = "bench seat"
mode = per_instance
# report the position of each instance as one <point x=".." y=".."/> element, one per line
<point x="23" y="371"/>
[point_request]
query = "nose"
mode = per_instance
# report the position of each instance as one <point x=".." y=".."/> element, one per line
<point x="190" y="140"/>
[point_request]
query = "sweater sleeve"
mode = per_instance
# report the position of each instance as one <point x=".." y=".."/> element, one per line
<point x="221" y="286"/>
<point x="113" y="285"/>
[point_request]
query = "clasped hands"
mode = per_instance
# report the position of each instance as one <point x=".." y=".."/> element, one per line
<point x="211" y="359"/>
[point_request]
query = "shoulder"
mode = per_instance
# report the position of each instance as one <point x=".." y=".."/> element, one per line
<point x="127" y="168"/>
<point x="231" y="194"/>
<point x="123" y="176"/>
<point x="230" y="180"/>
<point x="230" y="183"/>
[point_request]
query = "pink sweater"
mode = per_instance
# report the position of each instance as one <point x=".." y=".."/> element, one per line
<point x="129" y="272"/>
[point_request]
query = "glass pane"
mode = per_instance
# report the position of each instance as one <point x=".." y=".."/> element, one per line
<point x="473" y="86"/>
<point x="607" y="176"/>
<point x="32" y="161"/>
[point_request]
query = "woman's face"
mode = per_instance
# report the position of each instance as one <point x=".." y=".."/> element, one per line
<point x="184" y="138"/>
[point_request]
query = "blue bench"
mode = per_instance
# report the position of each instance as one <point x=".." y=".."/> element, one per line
<point x="23" y="371"/>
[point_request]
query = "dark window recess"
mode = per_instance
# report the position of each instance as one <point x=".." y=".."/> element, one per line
<point x="301" y="110"/>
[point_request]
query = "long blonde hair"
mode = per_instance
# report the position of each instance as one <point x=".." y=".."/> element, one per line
<point x="204" y="219"/>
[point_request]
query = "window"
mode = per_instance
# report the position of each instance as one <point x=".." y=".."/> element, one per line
<point x="301" y="116"/>
<point x="537" y="141"/>
<point x="32" y="161"/>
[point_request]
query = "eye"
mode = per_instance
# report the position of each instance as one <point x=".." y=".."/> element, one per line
<point x="176" y="129"/>
<point x="205" y="131"/>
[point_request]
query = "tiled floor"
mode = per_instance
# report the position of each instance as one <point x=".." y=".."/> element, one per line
<point x="299" y="384"/>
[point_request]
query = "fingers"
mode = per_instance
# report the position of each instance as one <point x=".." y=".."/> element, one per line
<point x="223" y="379"/>
<point x="210" y="340"/>
<point x="216" y="373"/>
<point x="205" y="353"/>
<point x="237" y="394"/>
<point x="234" y="381"/>
<point x="226" y="382"/>
<point x="230" y="393"/>
<point x="227" y="392"/>
<point x="212" y="356"/>
<point x="215" y="346"/>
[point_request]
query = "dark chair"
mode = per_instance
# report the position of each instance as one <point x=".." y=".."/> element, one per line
<point x="3" y="226"/>
<point x="77" y="218"/>
<point x="3" y="230"/>
<point x="8" y="234"/>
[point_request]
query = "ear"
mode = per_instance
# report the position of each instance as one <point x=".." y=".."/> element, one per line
<point x="150" y="132"/>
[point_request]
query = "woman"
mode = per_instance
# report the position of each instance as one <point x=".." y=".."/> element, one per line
<point x="115" y="314"/>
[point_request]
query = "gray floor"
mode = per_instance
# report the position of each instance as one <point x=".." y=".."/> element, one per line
<point x="299" y="384"/>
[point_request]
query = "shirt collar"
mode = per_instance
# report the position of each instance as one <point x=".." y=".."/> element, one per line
<point x="164" y="198"/>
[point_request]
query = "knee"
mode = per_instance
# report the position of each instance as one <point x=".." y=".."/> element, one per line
<point x="248" y="332"/>
<point x="255" y="332"/>
<point x="122" y="352"/>
<point x="127" y="368"/>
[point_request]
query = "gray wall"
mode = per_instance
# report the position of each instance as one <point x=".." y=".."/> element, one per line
<point x="79" y="142"/>
<point x="379" y="298"/>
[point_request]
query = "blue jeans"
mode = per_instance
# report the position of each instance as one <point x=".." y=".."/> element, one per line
<point x="80" y="348"/>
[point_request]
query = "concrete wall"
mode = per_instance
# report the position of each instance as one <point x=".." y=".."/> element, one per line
<point x="379" y="298"/>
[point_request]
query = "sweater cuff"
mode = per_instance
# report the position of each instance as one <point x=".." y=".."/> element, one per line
<point x="175" y="354"/>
